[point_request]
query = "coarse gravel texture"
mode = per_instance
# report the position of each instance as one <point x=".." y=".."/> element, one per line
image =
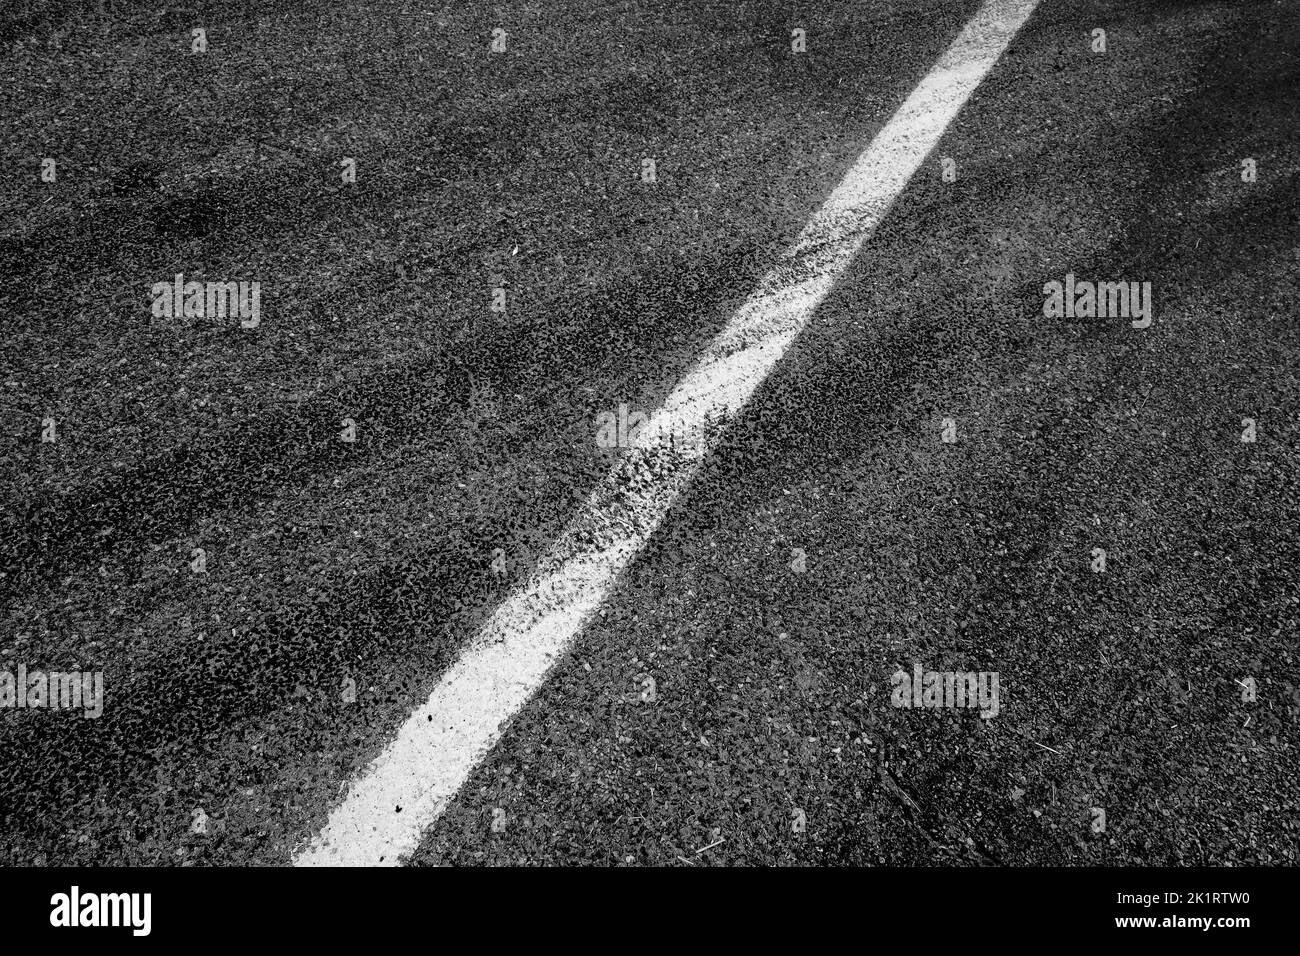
<point x="370" y="562"/>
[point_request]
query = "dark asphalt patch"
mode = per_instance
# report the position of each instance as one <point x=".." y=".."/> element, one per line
<point x="369" y="561"/>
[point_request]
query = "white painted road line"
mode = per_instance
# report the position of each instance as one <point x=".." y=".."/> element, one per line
<point x="406" y="788"/>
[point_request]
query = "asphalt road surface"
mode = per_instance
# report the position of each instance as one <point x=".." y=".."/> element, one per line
<point x="274" y="540"/>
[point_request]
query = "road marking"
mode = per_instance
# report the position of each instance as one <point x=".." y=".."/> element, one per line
<point x="438" y="747"/>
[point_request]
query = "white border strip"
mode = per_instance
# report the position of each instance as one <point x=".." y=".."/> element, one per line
<point x="508" y="660"/>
